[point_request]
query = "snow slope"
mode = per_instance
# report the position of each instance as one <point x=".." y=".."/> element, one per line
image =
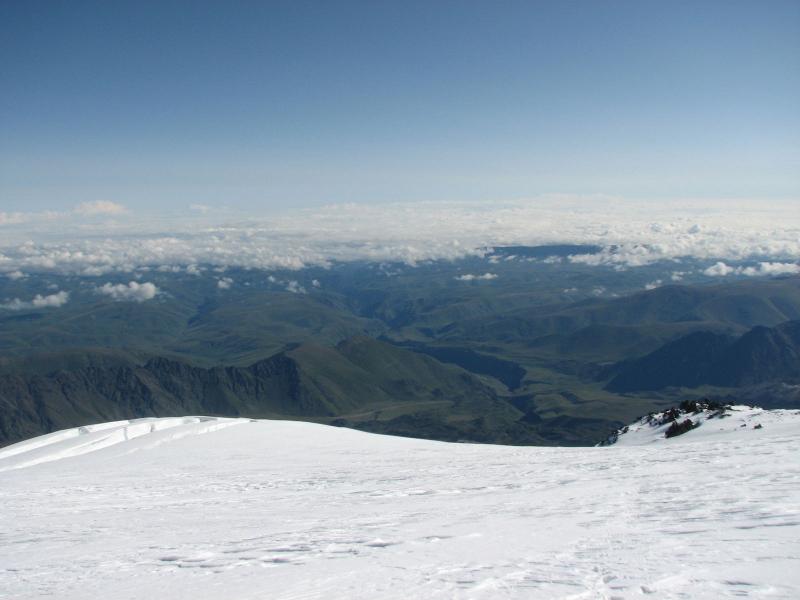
<point x="709" y="424"/>
<point x="207" y="508"/>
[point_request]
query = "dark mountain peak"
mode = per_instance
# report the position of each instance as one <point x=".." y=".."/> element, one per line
<point x="764" y="354"/>
<point x="682" y="362"/>
<point x="272" y="364"/>
<point x="760" y="355"/>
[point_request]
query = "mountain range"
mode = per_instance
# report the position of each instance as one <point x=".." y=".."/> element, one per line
<point x="543" y="351"/>
<point x="362" y="382"/>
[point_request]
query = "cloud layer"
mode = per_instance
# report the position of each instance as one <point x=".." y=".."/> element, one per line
<point x="632" y="234"/>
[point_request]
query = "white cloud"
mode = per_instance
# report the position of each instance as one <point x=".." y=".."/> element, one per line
<point x="653" y="284"/>
<point x="39" y="301"/>
<point x="16" y="304"/>
<point x="677" y="275"/>
<point x="99" y="207"/>
<point x="763" y="269"/>
<point x="225" y="283"/>
<point x="201" y="208"/>
<point x="134" y="291"/>
<point x="14" y="275"/>
<point x="719" y="269"/>
<point x="290" y="285"/>
<point x="471" y="277"/>
<point x="316" y="283"/>
<point x="53" y="300"/>
<point x="295" y="287"/>
<point x="169" y="268"/>
<point x="771" y="268"/>
<point x="632" y="234"/>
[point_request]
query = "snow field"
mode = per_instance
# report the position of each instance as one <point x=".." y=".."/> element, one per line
<point x="207" y="508"/>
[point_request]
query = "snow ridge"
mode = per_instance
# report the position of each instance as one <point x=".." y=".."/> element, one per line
<point x="92" y="438"/>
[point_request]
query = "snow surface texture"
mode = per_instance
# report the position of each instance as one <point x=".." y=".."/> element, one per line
<point x="208" y="508"/>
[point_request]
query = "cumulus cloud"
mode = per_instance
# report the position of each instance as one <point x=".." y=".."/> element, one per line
<point x="653" y="284"/>
<point x="225" y="283"/>
<point x="471" y="277"/>
<point x="772" y="268"/>
<point x="16" y="304"/>
<point x="134" y="291"/>
<point x="39" y="301"/>
<point x="720" y="269"/>
<point x="14" y="275"/>
<point x="295" y="287"/>
<point x="53" y="300"/>
<point x="99" y="207"/>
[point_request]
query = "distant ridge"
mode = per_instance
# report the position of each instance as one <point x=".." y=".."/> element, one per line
<point x="361" y="383"/>
<point x="763" y="354"/>
<point x="307" y="381"/>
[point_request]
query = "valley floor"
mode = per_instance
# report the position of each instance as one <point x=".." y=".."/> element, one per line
<point x="235" y="509"/>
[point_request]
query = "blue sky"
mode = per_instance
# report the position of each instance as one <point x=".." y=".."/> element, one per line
<point x="265" y="105"/>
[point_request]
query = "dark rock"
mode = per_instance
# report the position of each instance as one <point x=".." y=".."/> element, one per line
<point x="679" y="428"/>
